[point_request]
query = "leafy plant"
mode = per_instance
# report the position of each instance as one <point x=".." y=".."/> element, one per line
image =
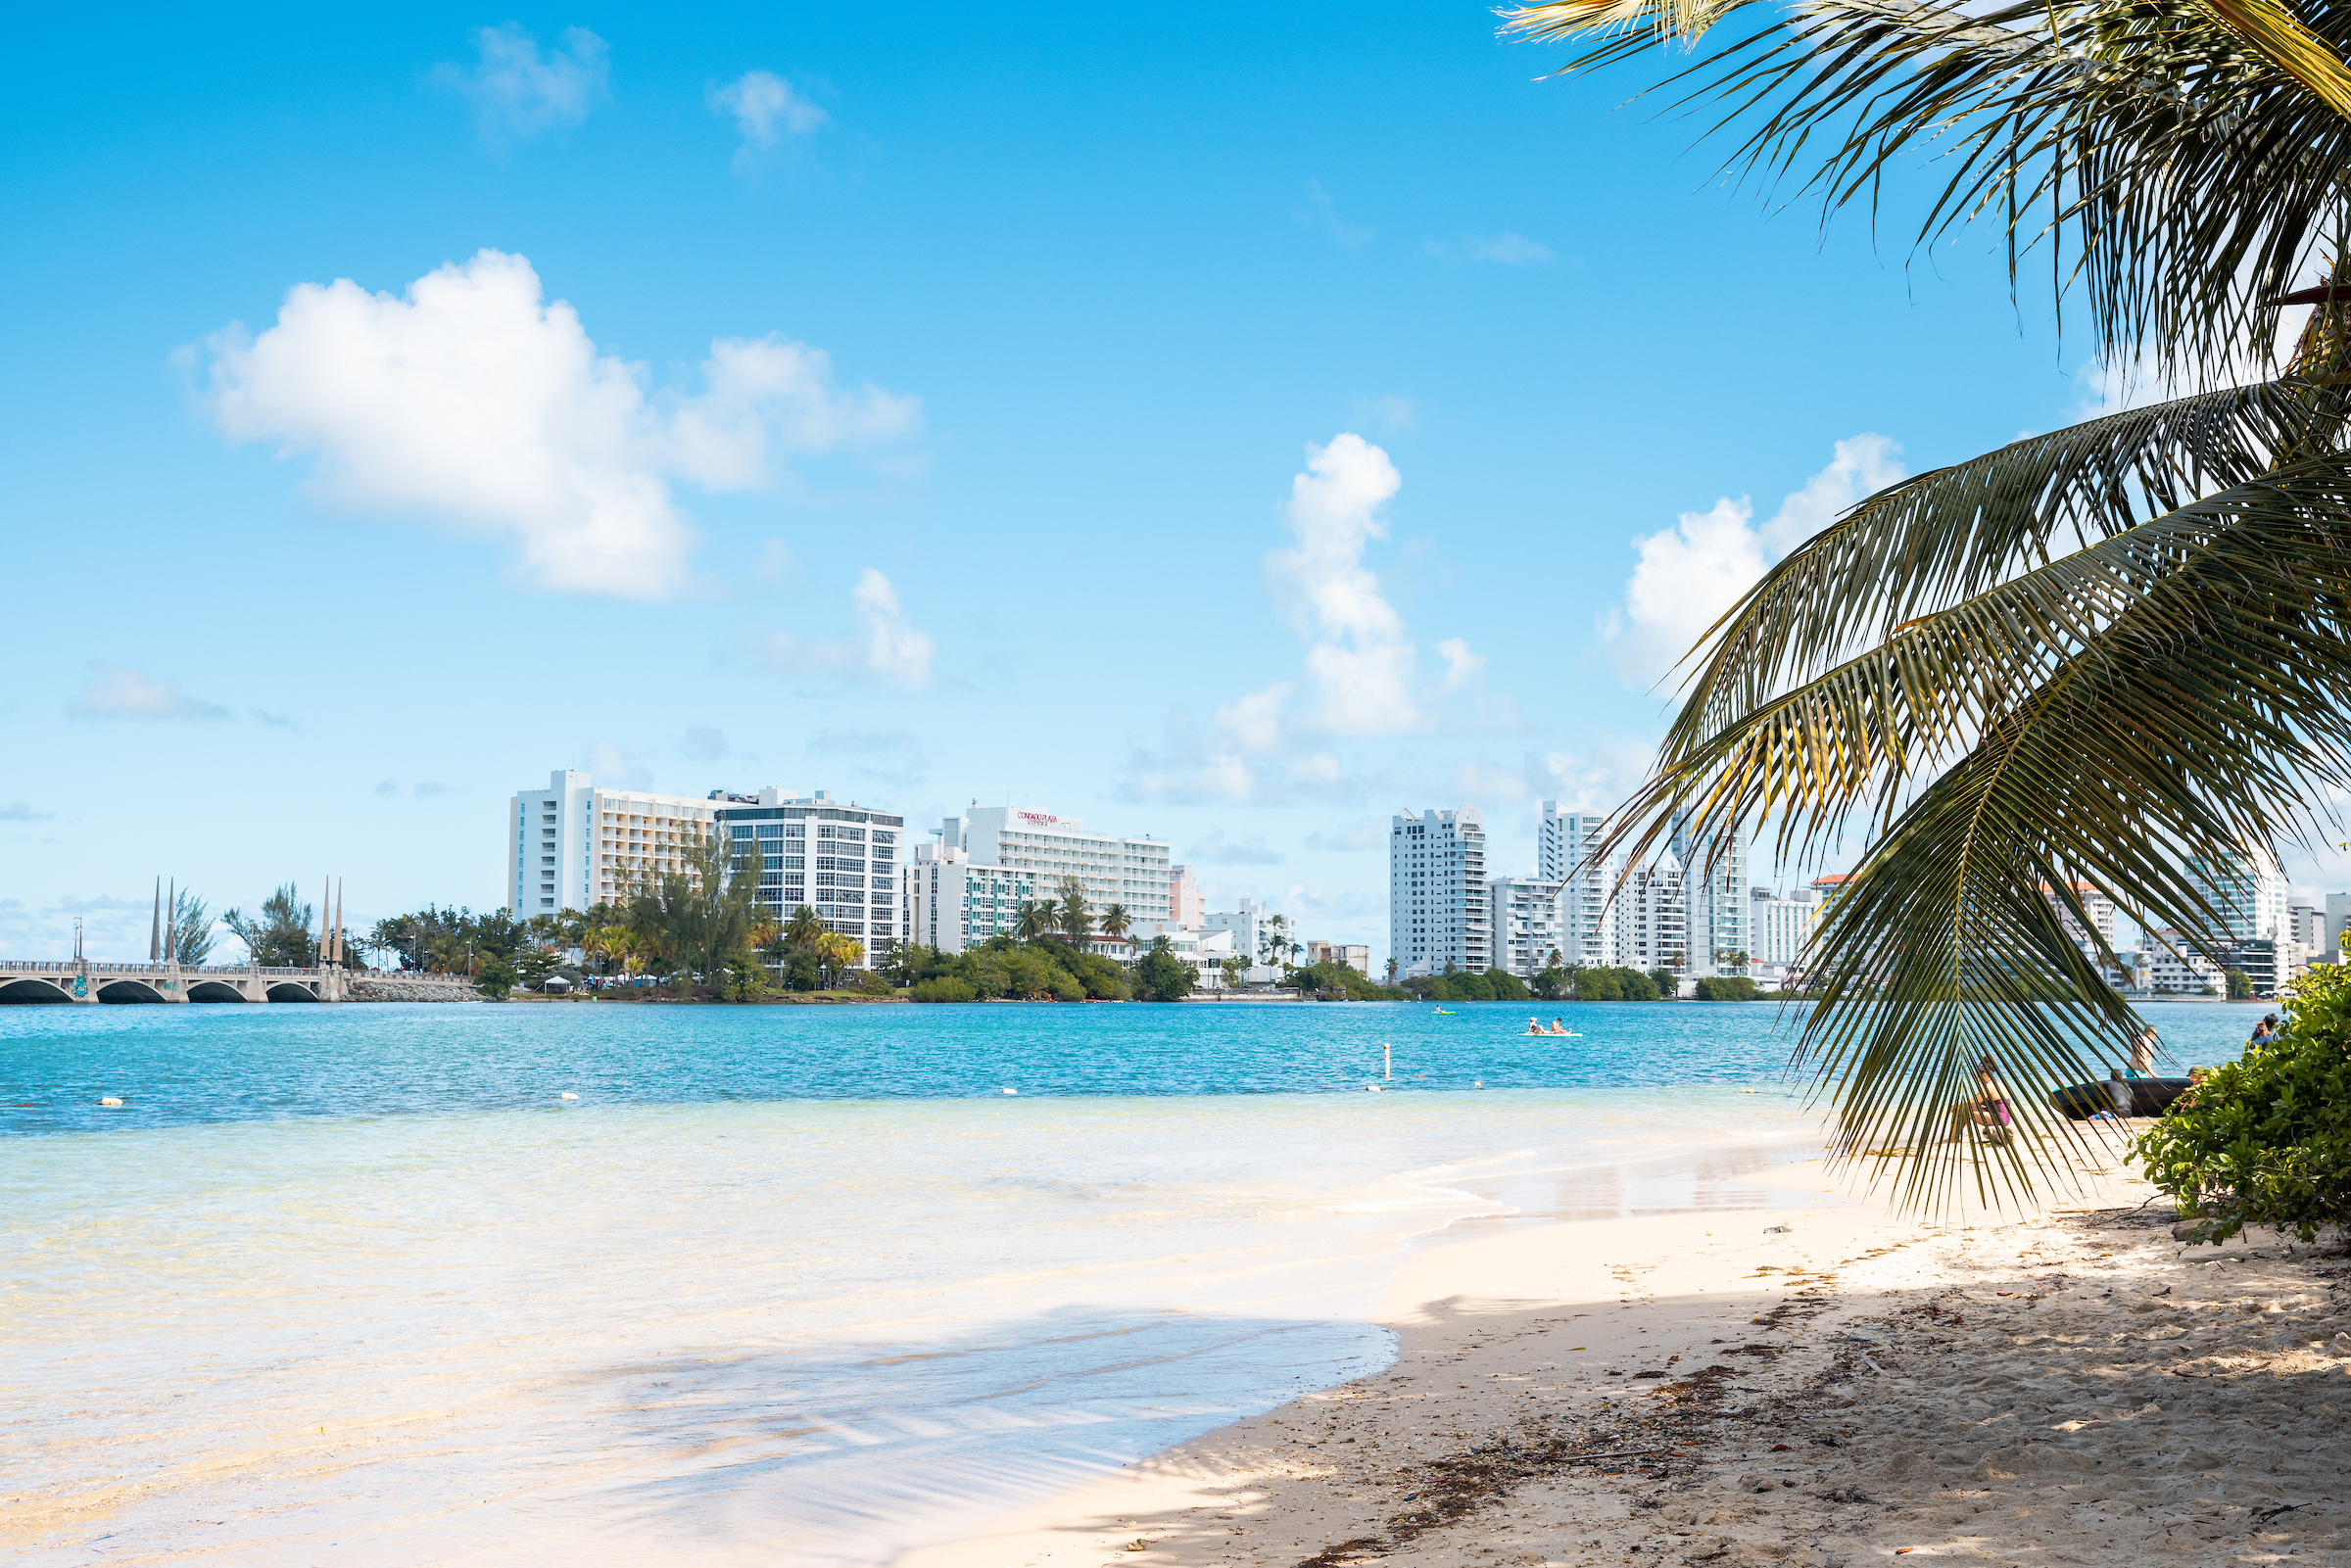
<point x="1162" y="976"/>
<point x="497" y="977"/>
<point x="2266" y="1140"/>
<point x="282" y="935"/>
<point x="945" y="988"/>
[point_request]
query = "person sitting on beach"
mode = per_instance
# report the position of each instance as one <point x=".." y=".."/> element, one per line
<point x="1988" y="1109"/>
<point x="2266" y="1030"/>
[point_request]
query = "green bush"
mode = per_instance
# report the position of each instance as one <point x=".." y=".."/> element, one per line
<point x="945" y="988"/>
<point x="496" y="978"/>
<point x="1730" y="988"/>
<point x="1162" y="976"/>
<point x="1605" y="983"/>
<point x="2266" y="1140"/>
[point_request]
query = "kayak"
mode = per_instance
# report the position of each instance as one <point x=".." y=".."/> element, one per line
<point x="2150" y="1097"/>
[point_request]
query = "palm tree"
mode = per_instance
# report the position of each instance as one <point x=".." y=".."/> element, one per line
<point x="1033" y="919"/>
<point x="1076" y="922"/>
<point x="805" y="928"/>
<point x="2102" y="655"/>
<point x="1116" y="924"/>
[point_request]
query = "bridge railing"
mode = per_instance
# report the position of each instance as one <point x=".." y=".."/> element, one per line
<point x="67" y="965"/>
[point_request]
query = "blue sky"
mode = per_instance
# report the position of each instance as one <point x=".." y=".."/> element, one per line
<point x="914" y="412"/>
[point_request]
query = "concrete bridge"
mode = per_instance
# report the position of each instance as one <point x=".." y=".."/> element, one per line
<point x="81" y="980"/>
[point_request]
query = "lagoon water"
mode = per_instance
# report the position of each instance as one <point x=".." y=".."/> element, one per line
<point x="781" y="1284"/>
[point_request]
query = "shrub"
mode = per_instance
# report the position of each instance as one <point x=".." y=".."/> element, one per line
<point x="1162" y="976"/>
<point x="496" y="978"/>
<point x="945" y="988"/>
<point x="1727" y="988"/>
<point x="2265" y="1139"/>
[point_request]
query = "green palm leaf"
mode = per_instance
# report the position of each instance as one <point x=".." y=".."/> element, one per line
<point x="2178" y="165"/>
<point x="1939" y="538"/>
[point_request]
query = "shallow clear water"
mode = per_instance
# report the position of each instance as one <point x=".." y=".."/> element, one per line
<point x="782" y="1283"/>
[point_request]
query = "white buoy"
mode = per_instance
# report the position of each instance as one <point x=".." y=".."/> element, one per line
<point x="109" y="1100"/>
<point x="1374" y="1088"/>
<point x="1011" y="1092"/>
<point x="1477" y="1083"/>
<point x="568" y="1095"/>
<point x="1387" y="1061"/>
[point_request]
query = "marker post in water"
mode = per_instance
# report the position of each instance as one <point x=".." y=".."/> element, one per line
<point x="1387" y="1061"/>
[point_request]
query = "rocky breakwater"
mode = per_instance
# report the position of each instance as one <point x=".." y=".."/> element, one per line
<point x="451" y="989"/>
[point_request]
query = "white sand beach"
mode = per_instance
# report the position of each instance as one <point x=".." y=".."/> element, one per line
<point x="1811" y="1386"/>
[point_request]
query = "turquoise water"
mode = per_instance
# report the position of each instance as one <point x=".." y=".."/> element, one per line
<point x="781" y="1284"/>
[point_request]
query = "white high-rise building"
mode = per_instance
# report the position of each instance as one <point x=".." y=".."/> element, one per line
<point x="2100" y="910"/>
<point x="1781" y="927"/>
<point x="840" y="859"/>
<point x="1527" y="930"/>
<point x="1110" y="869"/>
<point x="574" y="843"/>
<point x="1437" y="912"/>
<point x="1714" y="878"/>
<point x="1614" y="914"/>
<point x="1246" y="920"/>
<point x="954" y="905"/>
<point x="2248" y="891"/>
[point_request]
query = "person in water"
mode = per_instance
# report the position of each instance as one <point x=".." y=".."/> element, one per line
<point x="2142" y="1055"/>
<point x="1558" y="1027"/>
<point x="2266" y="1030"/>
<point x="1533" y="1028"/>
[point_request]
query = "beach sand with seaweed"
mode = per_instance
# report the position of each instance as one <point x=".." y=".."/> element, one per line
<point x="1810" y="1386"/>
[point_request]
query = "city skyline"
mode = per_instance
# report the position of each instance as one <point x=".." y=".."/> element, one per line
<point x="776" y="386"/>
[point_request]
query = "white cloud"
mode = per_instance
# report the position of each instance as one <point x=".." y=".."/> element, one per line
<point x="1461" y="666"/>
<point x="767" y="109"/>
<point x="1323" y="213"/>
<point x="1601" y="778"/>
<point x="517" y="91"/>
<point x="1217" y="850"/>
<point x="706" y="743"/>
<point x="615" y="767"/>
<point x="1361" y="664"/>
<point x="1391" y="414"/>
<point x="1368" y="834"/>
<point x="1255" y="721"/>
<point x="886" y="645"/>
<point x="1689" y="574"/>
<point x="110" y="691"/>
<point x="471" y="400"/>
<point x="22" y="811"/>
<point x="1511" y="250"/>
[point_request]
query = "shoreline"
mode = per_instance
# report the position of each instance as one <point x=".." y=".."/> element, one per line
<point x="1811" y="1386"/>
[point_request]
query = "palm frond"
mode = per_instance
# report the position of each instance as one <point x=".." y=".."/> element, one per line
<point x="1940" y="538"/>
<point x="2171" y="694"/>
<point x="2177" y="172"/>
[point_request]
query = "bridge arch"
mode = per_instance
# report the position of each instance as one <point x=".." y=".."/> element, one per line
<point x="215" y="991"/>
<point x="32" y="988"/>
<point x="133" y="991"/>
<point x="290" y="991"/>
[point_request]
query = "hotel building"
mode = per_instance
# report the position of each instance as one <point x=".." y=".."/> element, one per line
<point x="574" y="843"/>
<point x="839" y="860"/>
<point x="1045" y="848"/>
<point x="1183" y="898"/>
<point x="1437" y="910"/>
